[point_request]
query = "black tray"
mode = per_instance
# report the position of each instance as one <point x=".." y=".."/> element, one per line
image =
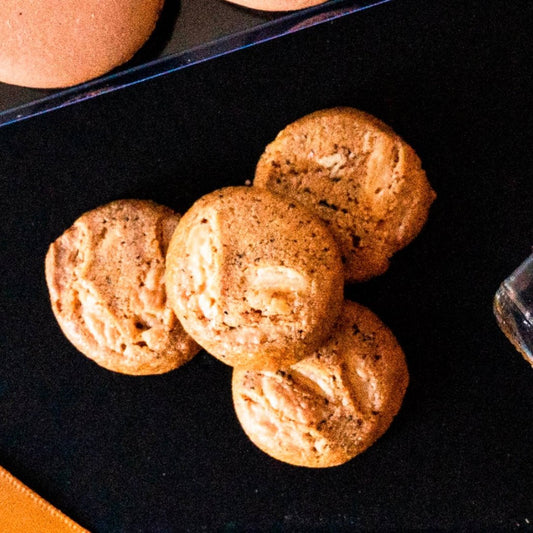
<point x="165" y="454"/>
<point x="188" y="32"/>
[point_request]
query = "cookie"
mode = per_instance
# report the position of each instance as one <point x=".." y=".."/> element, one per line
<point x="331" y="406"/>
<point x="277" y="5"/>
<point x="254" y="278"/>
<point x="359" y="176"/>
<point x="60" y="43"/>
<point x="105" y="277"/>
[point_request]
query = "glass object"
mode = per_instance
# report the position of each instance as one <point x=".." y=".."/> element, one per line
<point x="188" y="32"/>
<point x="513" y="307"/>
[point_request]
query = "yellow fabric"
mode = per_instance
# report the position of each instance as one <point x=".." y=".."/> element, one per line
<point x="23" y="511"/>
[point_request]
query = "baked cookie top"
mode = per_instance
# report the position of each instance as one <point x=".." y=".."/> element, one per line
<point x="59" y="43"/>
<point x="331" y="406"/>
<point x="254" y="278"/>
<point x="105" y="276"/>
<point x="359" y="176"/>
<point x="277" y="5"/>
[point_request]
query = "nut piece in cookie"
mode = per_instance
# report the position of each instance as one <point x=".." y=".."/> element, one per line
<point x="277" y="5"/>
<point x="359" y="176"/>
<point x="254" y="278"/>
<point x="331" y="406"/>
<point x="60" y="43"/>
<point x="105" y="277"/>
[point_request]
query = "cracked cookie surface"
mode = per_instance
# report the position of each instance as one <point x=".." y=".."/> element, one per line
<point x="359" y="176"/>
<point x="105" y="276"/>
<point x="332" y="405"/>
<point x="254" y="278"/>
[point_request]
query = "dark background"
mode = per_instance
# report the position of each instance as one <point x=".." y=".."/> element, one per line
<point x="165" y="453"/>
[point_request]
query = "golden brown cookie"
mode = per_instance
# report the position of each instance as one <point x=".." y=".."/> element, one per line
<point x="254" y="278"/>
<point x="105" y="276"/>
<point x="357" y="175"/>
<point x="331" y="406"/>
<point x="277" y="5"/>
<point x="59" y="43"/>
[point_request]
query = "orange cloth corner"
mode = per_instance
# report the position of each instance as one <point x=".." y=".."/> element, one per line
<point x="23" y="511"/>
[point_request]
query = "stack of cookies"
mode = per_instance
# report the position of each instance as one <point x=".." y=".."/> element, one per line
<point x="255" y="275"/>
